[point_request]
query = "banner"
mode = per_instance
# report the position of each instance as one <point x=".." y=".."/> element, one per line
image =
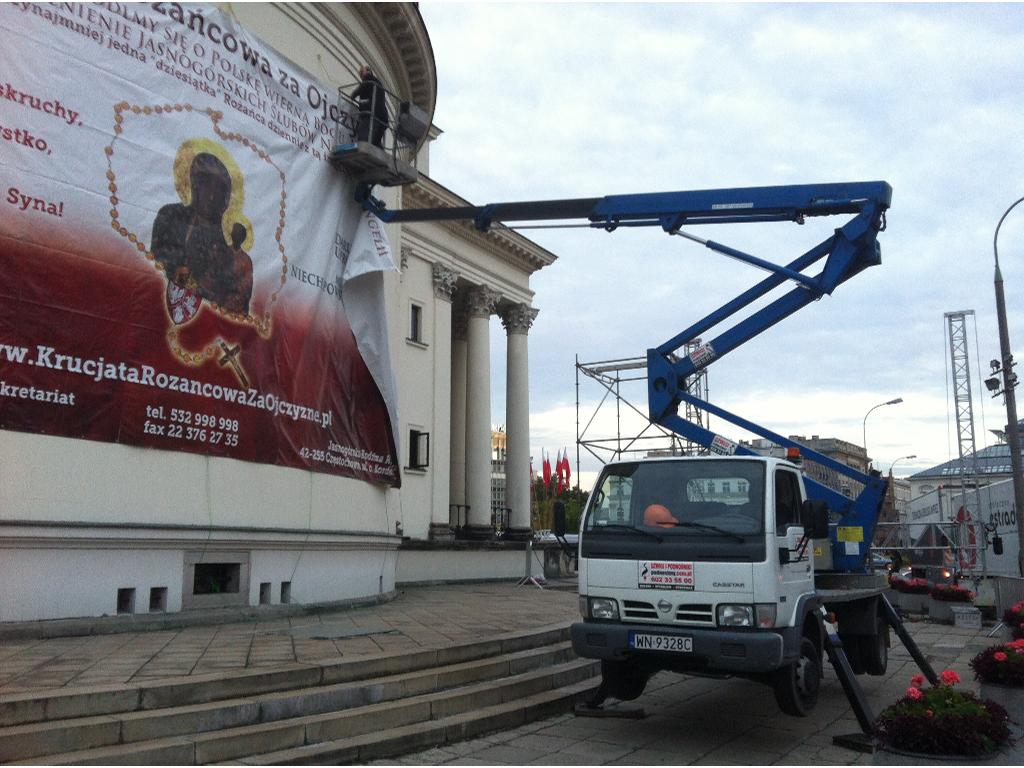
<point x="176" y="248"/>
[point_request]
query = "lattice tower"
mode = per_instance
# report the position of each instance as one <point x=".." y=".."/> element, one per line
<point x="961" y="368"/>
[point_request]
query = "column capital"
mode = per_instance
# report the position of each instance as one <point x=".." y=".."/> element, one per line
<point x="444" y="282"/>
<point x="518" y="318"/>
<point x="404" y="254"/>
<point x="481" y="301"/>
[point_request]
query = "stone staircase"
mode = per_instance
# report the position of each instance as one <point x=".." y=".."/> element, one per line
<point x="338" y="712"/>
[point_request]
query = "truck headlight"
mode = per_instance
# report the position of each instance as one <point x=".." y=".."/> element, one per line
<point x="604" y="608"/>
<point x="735" y="615"/>
<point x="761" y="615"/>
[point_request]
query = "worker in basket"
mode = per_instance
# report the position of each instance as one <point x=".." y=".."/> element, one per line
<point x="658" y="516"/>
<point x="369" y="97"/>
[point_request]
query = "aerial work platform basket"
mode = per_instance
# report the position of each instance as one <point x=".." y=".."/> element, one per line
<point x="377" y="140"/>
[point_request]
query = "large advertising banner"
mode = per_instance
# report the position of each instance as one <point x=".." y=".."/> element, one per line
<point x="175" y="247"/>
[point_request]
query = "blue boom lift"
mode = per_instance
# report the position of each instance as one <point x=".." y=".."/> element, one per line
<point x="850" y="249"/>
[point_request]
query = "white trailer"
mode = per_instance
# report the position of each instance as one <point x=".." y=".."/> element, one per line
<point x="976" y="521"/>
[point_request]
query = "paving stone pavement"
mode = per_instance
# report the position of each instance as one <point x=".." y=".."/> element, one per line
<point x="699" y="721"/>
<point x="419" y="617"/>
<point x="689" y="720"/>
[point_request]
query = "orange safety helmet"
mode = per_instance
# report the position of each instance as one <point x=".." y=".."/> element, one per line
<point x="658" y="516"/>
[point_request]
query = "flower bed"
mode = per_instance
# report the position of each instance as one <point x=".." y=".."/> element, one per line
<point x="1014" y="619"/>
<point x="952" y="593"/>
<point x="1001" y="664"/>
<point x="943" y="721"/>
<point x="912" y="586"/>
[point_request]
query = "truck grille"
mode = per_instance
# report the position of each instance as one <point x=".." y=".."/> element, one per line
<point x="634" y="609"/>
<point x="697" y="613"/>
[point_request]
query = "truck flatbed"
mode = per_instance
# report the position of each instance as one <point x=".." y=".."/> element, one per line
<point x="849" y="595"/>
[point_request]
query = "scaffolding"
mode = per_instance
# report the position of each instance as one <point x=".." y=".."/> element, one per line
<point x="624" y="382"/>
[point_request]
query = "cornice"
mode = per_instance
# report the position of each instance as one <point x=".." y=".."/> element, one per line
<point x="399" y="30"/>
<point x="505" y="244"/>
<point x="396" y="29"/>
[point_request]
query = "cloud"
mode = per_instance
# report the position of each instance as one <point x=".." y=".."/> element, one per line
<point x="542" y="101"/>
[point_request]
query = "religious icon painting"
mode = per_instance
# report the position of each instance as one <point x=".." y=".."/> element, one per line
<point x="209" y="252"/>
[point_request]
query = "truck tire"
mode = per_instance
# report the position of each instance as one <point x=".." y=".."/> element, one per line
<point x="874" y="649"/>
<point x="852" y="648"/>
<point x="623" y="680"/>
<point x="796" y="686"/>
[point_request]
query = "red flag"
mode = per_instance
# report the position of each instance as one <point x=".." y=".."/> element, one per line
<point x="547" y="469"/>
<point x="558" y="470"/>
<point x="568" y="471"/>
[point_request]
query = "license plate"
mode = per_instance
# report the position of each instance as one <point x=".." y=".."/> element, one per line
<point x="672" y="643"/>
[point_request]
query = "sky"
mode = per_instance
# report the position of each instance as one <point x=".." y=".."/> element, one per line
<point x="542" y="101"/>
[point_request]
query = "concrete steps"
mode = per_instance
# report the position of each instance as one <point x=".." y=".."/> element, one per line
<point x="369" y="707"/>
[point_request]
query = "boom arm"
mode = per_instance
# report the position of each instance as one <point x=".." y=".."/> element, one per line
<point x="850" y="249"/>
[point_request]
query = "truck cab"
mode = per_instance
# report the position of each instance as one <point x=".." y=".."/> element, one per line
<point x="702" y="565"/>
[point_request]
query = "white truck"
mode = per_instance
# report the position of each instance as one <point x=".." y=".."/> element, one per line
<point x="705" y="566"/>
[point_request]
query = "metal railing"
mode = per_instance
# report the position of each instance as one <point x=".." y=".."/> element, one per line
<point x="459" y="522"/>
<point x="965" y="542"/>
<point x="378" y="121"/>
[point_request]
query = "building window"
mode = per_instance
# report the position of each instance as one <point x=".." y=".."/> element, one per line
<point x="416" y="323"/>
<point x="419" y="449"/>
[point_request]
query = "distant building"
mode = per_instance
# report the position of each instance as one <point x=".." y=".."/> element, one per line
<point x="499" y="442"/>
<point x="850" y="454"/>
<point x="989" y="465"/>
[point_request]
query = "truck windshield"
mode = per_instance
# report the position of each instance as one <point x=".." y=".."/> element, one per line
<point x="687" y="498"/>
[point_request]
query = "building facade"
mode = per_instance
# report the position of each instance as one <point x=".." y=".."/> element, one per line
<point x="93" y="528"/>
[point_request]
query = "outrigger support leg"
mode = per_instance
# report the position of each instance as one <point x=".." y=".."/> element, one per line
<point x="896" y="623"/>
<point x="861" y="742"/>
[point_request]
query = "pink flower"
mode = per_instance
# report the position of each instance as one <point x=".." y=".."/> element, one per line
<point x="949" y="677"/>
<point x="929" y="713"/>
<point x="917" y="681"/>
<point x="1000" y="656"/>
<point x="914" y="693"/>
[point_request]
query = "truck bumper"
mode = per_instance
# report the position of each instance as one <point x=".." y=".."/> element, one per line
<point x="713" y="650"/>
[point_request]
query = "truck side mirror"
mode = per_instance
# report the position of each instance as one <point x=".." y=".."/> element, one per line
<point x="560" y="518"/>
<point x="814" y="517"/>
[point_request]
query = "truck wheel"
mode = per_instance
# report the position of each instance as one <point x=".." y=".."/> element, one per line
<point x="874" y="649"/>
<point x="623" y="680"/>
<point x="796" y="686"/>
<point x="852" y="647"/>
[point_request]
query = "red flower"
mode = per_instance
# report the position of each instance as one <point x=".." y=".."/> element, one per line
<point x="917" y="681"/>
<point x="949" y="677"/>
<point x="929" y="713"/>
<point x="914" y="693"/>
<point x="1000" y="656"/>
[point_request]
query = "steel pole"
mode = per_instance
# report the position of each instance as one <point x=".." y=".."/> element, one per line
<point x="1012" y="433"/>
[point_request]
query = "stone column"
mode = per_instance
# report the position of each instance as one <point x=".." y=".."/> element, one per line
<point x="480" y="304"/>
<point x="444" y="291"/>
<point x="517" y="320"/>
<point x="457" y="490"/>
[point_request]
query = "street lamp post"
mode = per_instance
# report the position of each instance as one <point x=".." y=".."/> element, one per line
<point x="887" y="402"/>
<point x="901" y="458"/>
<point x="1009" y="381"/>
<point x="903" y="533"/>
